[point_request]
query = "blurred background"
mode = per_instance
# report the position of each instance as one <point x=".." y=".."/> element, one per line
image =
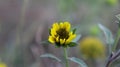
<point x="24" y="25"/>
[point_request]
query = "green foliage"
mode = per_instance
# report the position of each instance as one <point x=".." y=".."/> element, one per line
<point x="118" y="16"/>
<point x="94" y="30"/>
<point x="74" y="30"/>
<point x="108" y="36"/>
<point x="50" y="56"/>
<point x="79" y="61"/>
<point x="45" y="42"/>
<point x="72" y="44"/>
<point x="112" y="2"/>
<point x="107" y="33"/>
<point x="50" y="31"/>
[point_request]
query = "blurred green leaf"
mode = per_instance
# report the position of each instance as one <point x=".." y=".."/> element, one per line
<point x="79" y="61"/>
<point x="112" y="2"/>
<point x="72" y="44"/>
<point x="77" y="38"/>
<point x="74" y="30"/>
<point x="108" y="34"/>
<point x="50" y="56"/>
<point x="45" y="42"/>
<point x="94" y="30"/>
<point x="118" y="16"/>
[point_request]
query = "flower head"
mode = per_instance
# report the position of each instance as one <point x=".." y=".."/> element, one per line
<point x="61" y="35"/>
<point x="92" y="47"/>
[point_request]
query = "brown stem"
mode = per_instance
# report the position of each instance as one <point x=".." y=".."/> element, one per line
<point x="112" y="58"/>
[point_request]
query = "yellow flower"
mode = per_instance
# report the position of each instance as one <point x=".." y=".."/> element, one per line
<point x="3" y="64"/>
<point x="60" y="34"/>
<point x="92" y="47"/>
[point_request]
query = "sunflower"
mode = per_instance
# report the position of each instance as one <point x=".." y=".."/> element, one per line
<point x="60" y="34"/>
<point x="92" y="47"/>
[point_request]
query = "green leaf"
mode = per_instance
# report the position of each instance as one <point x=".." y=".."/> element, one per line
<point x="79" y="61"/>
<point x="72" y="44"/>
<point x="108" y="34"/>
<point x="50" y="56"/>
<point x="118" y="16"/>
<point x="77" y="38"/>
<point x="74" y="30"/>
<point x="45" y="42"/>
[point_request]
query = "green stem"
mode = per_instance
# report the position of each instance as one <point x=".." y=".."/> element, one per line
<point x="116" y="40"/>
<point x="66" y="57"/>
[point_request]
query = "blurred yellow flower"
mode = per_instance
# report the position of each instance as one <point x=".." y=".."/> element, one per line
<point x="60" y="34"/>
<point x="3" y="64"/>
<point x="92" y="47"/>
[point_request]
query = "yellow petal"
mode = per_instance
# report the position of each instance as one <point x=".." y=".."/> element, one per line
<point x="71" y="33"/>
<point x="70" y="38"/>
<point x="51" y="39"/>
<point x="55" y="26"/>
<point x="53" y="32"/>
<point x="62" y="41"/>
<point x="57" y="39"/>
<point x="61" y="25"/>
<point x="67" y="26"/>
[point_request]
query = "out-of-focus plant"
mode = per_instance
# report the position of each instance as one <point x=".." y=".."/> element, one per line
<point x="94" y="30"/>
<point x="62" y="36"/>
<point x="2" y="64"/>
<point x="112" y="43"/>
<point x="108" y="36"/>
<point x="112" y="2"/>
<point x="92" y="47"/>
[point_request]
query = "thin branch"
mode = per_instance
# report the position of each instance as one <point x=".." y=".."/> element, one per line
<point x="112" y="58"/>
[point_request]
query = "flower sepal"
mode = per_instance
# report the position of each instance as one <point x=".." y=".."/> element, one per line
<point x="74" y="30"/>
<point x="49" y="31"/>
<point x="72" y="44"/>
<point x="57" y="45"/>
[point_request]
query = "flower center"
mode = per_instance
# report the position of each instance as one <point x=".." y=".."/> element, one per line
<point x="63" y="34"/>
